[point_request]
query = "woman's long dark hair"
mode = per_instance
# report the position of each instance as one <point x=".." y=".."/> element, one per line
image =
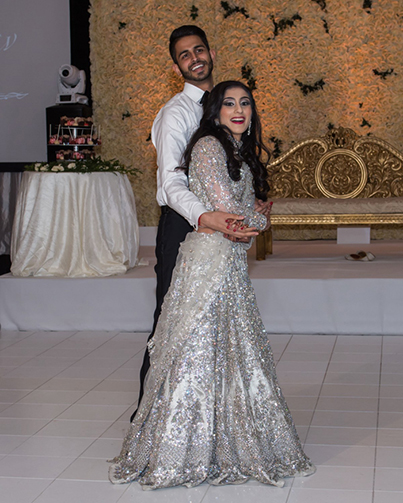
<point x="252" y="145"/>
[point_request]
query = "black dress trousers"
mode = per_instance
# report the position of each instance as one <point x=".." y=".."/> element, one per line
<point x="172" y="230"/>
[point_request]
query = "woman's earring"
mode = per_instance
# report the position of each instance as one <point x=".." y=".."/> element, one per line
<point x="249" y="128"/>
<point x="216" y="122"/>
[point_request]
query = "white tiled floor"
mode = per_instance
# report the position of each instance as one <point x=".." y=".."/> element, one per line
<point x="66" y="399"/>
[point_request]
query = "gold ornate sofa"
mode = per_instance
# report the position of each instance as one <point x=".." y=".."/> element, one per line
<point x="338" y="179"/>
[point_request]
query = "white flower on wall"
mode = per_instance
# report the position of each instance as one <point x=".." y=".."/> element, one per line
<point x="316" y="64"/>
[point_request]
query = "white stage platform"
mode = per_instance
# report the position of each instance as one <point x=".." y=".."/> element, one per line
<point x="304" y="288"/>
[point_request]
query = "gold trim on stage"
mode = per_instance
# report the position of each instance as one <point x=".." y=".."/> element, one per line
<point x="339" y="219"/>
<point x="339" y="166"/>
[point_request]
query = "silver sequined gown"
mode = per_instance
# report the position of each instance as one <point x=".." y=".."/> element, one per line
<point x="212" y="408"/>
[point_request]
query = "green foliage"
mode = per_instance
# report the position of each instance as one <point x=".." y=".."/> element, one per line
<point x="321" y="3"/>
<point x="310" y="88"/>
<point x="367" y="4"/>
<point x="284" y="23"/>
<point x="95" y="165"/>
<point x="384" y="74"/>
<point x="228" y="11"/>
<point x="365" y="123"/>
<point x="276" y="152"/>
<point x="247" y="74"/>
<point x="194" y="12"/>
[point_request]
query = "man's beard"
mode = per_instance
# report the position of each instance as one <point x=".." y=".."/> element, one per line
<point x="189" y="75"/>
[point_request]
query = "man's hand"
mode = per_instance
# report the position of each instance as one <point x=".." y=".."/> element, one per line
<point x="237" y="240"/>
<point x="227" y="223"/>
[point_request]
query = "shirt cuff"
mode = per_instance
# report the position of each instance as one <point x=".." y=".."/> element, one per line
<point x="197" y="212"/>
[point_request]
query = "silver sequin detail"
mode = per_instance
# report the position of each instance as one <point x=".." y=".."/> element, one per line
<point x="212" y="409"/>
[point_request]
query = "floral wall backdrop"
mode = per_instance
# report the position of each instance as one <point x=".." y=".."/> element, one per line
<point x="312" y="64"/>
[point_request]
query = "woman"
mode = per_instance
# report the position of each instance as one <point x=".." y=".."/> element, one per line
<point x="212" y="409"/>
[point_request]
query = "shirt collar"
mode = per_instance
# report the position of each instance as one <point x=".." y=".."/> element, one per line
<point x="194" y="93"/>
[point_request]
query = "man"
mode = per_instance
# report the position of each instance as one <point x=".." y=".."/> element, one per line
<point x="181" y="210"/>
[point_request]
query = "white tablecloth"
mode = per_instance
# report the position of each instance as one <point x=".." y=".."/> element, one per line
<point x="9" y="187"/>
<point x="74" y="224"/>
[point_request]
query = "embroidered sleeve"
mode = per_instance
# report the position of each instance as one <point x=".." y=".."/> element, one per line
<point x="209" y="179"/>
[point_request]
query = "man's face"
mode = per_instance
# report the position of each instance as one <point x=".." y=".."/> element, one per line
<point x="195" y="62"/>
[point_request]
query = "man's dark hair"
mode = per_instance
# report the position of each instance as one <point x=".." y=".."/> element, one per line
<point x="185" y="31"/>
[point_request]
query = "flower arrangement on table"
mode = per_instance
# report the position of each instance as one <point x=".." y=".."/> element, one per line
<point x="95" y="165"/>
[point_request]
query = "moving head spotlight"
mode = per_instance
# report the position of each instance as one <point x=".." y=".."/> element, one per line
<point x="71" y="84"/>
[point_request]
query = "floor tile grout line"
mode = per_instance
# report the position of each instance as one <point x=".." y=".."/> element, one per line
<point x="29" y="334"/>
<point x="278" y="361"/>
<point x="313" y="413"/>
<point x="45" y="425"/>
<point x="39" y="354"/>
<point x="78" y="360"/>
<point x="113" y="422"/>
<point x="378" y="398"/>
<point x="284" y="349"/>
<point x="73" y="334"/>
<point x="320" y="389"/>
<point x="377" y="420"/>
<point x="124" y="492"/>
<point x="205" y="494"/>
<point x="47" y="349"/>
<point x="51" y="347"/>
<point x="45" y="489"/>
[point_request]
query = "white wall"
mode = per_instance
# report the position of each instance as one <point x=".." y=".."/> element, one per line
<point x="34" y="43"/>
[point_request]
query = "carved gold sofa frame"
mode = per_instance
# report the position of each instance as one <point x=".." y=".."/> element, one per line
<point x="339" y="179"/>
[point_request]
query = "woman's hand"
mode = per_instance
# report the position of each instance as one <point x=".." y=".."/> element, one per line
<point x="265" y="209"/>
<point x="237" y="226"/>
<point x="228" y="224"/>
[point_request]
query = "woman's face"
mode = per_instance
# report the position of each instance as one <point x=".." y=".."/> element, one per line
<point x="236" y="111"/>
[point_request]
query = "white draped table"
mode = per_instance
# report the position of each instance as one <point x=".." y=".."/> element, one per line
<point x="75" y="225"/>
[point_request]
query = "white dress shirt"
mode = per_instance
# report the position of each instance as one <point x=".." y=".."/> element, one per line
<point x="170" y="134"/>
